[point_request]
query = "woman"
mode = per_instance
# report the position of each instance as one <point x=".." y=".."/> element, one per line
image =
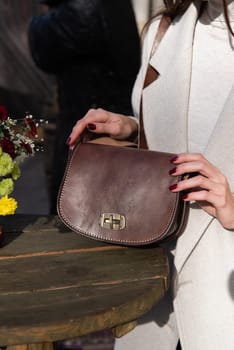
<point x="189" y="110"/>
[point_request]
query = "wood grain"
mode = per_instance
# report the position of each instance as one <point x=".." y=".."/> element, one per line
<point x="58" y="285"/>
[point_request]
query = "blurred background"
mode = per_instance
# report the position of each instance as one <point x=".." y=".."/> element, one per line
<point x="24" y="88"/>
<point x="144" y="9"/>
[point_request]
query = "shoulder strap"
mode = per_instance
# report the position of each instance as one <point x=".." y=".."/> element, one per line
<point x="152" y="74"/>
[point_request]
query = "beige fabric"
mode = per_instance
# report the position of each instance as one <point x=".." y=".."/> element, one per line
<point x="166" y="123"/>
<point x="204" y="255"/>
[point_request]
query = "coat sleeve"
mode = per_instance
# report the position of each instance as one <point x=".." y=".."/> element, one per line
<point x="68" y="31"/>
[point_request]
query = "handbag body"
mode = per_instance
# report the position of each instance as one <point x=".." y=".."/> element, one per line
<point x="121" y="195"/>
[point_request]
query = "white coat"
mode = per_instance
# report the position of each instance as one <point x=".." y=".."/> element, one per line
<point x="203" y="288"/>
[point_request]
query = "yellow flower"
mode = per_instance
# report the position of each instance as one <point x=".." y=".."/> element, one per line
<point x="8" y="206"/>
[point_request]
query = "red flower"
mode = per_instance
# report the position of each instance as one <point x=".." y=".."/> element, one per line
<point x="32" y="126"/>
<point x="8" y="147"/>
<point x="3" y="113"/>
<point x="27" y="147"/>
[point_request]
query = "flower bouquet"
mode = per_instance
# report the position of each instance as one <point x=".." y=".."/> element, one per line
<point x="17" y="141"/>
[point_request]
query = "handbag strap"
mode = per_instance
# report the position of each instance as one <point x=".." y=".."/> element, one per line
<point x="151" y="75"/>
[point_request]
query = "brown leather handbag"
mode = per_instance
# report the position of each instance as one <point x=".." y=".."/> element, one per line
<point x="120" y="194"/>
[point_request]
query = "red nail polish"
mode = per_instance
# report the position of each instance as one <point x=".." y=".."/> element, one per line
<point x="173" y="187"/>
<point x="172" y="171"/>
<point x="185" y="196"/>
<point x="173" y="159"/>
<point x="68" y="141"/>
<point x="91" y="126"/>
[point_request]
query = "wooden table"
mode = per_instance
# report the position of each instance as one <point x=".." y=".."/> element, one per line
<point x="55" y="284"/>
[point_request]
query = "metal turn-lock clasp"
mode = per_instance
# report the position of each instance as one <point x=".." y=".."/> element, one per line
<point x="112" y="221"/>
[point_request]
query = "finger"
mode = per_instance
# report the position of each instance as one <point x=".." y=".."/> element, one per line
<point x="194" y="164"/>
<point x="93" y="116"/>
<point x="197" y="182"/>
<point x="110" y="128"/>
<point x="204" y="190"/>
<point x="187" y="157"/>
<point x="200" y="183"/>
<point x="204" y="196"/>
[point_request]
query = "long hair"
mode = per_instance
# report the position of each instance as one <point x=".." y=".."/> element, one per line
<point x="173" y="8"/>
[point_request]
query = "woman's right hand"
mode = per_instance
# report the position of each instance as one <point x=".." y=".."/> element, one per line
<point x="100" y="121"/>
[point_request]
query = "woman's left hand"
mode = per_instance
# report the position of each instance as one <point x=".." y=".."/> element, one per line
<point x="207" y="186"/>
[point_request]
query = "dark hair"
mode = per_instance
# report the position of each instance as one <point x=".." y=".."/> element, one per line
<point x="173" y="8"/>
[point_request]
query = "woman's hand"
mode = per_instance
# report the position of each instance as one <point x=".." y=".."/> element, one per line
<point x="207" y="186"/>
<point x="100" y="121"/>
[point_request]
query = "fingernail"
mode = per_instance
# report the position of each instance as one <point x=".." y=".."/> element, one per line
<point x="91" y="126"/>
<point x="173" y="159"/>
<point x="185" y="196"/>
<point x="68" y="141"/>
<point x="173" y="187"/>
<point x="172" y="171"/>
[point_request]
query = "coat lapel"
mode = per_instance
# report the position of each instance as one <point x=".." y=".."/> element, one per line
<point x="175" y="50"/>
